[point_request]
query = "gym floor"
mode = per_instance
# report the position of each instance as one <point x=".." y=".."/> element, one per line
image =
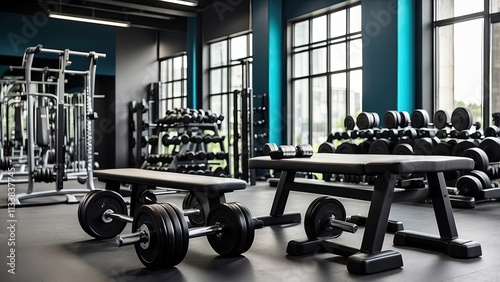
<point x="51" y="246"/>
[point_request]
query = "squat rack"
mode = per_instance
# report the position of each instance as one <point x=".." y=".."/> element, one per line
<point x="89" y="75"/>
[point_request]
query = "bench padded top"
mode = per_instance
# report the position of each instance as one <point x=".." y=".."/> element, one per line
<point x="364" y="164"/>
<point x="170" y="179"/>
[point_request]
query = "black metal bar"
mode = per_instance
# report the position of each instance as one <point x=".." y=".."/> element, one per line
<point x="378" y="214"/>
<point x="282" y="192"/>
<point x="442" y="206"/>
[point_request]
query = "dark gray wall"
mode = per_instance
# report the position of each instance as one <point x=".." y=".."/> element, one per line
<point x="225" y="17"/>
<point x="171" y="43"/>
<point x="136" y="67"/>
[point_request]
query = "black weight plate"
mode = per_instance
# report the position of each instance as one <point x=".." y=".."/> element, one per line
<point x="483" y="177"/>
<point x="194" y="201"/>
<point x="81" y="209"/>
<point x="442" y="149"/>
<point x="376" y="119"/>
<point x="423" y="146"/>
<point x="491" y="131"/>
<point x="232" y="240"/>
<point x="92" y="220"/>
<point x="348" y="148"/>
<point x="157" y="253"/>
<point x="469" y="185"/>
<point x="318" y="214"/>
<point x="364" y="146"/>
<point x="391" y="119"/>
<point x="419" y="118"/>
<point x="491" y="146"/>
<point x="326" y="147"/>
<point x="479" y="156"/>
<point x="349" y="123"/>
<point x="250" y="225"/>
<point x="180" y="232"/>
<point x="461" y="118"/>
<point x="403" y="149"/>
<point x="462" y="146"/>
<point x="268" y="148"/>
<point x="381" y="146"/>
<point x="411" y="133"/>
<point x="404" y="119"/>
<point x="365" y="120"/>
<point x="441" y="119"/>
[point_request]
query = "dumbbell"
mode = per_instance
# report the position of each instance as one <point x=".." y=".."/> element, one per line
<point x="201" y="155"/>
<point x="221" y="155"/>
<point x="289" y="151"/>
<point x="325" y="218"/>
<point x="187" y="155"/>
<point x="198" y="139"/>
<point x="162" y="234"/>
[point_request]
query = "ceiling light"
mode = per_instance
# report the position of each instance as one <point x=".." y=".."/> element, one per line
<point x="88" y="19"/>
<point x="182" y="2"/>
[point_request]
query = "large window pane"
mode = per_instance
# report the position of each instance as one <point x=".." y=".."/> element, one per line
<point x="355" y="19"/>
<point x="319" y="60"/>
<point x="320" y="113"/>
<point x="459" y="67"/>
<point x="338" y="23"/>
<point x="301" y="110"/>
<point x="301" y="33"/>
<point x="338" y="100"/>
<point x="218" y="80"/>
<point x="236" y="78"/>
<point x="301" y="64"/>
<point x="218" y="54"/>
<point x="356" y="53"/>
<point x="177" y="68"/>
<point x="338" y="56"/>
<point x="356" y="92"/>
<point x="454" y="8"/>
<point x="495" y="68"/>
<point x="239" y="47"/>
<point x="319" y="29"/>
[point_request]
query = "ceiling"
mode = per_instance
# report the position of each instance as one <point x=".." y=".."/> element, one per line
<point x="153" y="14"/>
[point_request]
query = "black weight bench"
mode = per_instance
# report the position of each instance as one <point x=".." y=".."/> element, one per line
<point x="207" y="189"/>
<point x="370" y="258"/>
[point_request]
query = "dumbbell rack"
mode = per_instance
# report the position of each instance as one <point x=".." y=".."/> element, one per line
<point x="139" y="132"/>
<point x="172" y="156"/>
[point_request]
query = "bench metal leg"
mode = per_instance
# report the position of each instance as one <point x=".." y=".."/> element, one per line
<point x="370" y="259"/>
<point x="447" y="241"/>
<point x="276" y="216"/>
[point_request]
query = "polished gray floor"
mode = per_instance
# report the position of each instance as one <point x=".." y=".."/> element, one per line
<point x="51" y="246"/>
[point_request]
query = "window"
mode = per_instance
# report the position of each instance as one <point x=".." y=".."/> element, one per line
<point x="326" y="83"/>
<point x="226" y="76"/>
<point x="464" y="56"/>
<point x="173" y="83"/>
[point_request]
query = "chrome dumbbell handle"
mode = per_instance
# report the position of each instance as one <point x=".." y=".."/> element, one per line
<point x="342" y="225"/>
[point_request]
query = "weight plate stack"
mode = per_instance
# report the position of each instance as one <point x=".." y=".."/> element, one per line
<point x="461" y="118"/>
<point x="349" y="123"/>
<point x="441" y="119"/>
<point x="234" y="238"/>
<point x="420" y="118"/>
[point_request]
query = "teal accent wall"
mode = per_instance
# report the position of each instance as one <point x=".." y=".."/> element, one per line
<point x="18" y="32"/>
<point x="275" y="57"/>
<point x="406" y="56"/>
<point x="192" y="62"/>
<point x="380" y="56"/>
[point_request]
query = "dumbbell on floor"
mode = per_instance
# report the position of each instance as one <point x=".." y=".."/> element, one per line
<point x="162" y="234"/>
